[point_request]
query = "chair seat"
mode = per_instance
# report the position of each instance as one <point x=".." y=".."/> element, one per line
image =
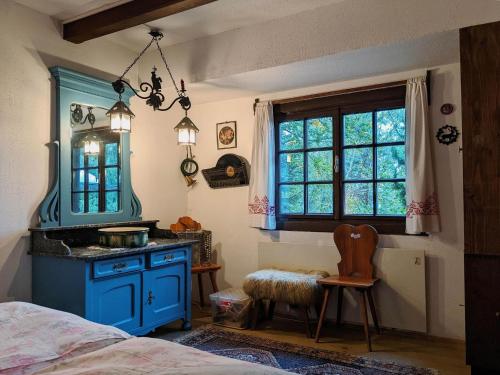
<point x="349" y="281"/>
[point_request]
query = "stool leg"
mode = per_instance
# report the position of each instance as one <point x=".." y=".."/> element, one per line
<point x="270" y="312"/>
<point x="373" y="310"/>
<point x="200" y="290"/>
<point x="305" y="309"/>
<point x="340" y="299"/>
<point x="256" y="310"/>
<point x="213" y="280"/>
<point x="326" y="295"/>
<point x="364" y="315"/>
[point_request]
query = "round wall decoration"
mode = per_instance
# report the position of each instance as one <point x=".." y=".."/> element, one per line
<point x="447" y="109"/>
<point x="447" y="134"/>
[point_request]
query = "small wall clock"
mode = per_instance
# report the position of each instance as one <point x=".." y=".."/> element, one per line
<point x="447" y="134"/>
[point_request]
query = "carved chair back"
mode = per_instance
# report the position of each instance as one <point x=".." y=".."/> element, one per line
<point x="356" y="245"/>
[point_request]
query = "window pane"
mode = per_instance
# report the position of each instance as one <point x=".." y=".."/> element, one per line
<point x="112" y="201"/>
<point x="292" y="167"/>
<point x="358" y="129"/>
<point x="93" y="202"/>
<point x="292" y="199"/>
<point x="111" y="178"/>
<point x="93" y="160"/>
<point x="93" y="176"/>
<point x="358" y="164"/>
<point x="111" y="154"/>
<point x="320" y="166"/>
<point x="78" y="158"/>
<point x="391" y="125"/>
<point x="77" y="202"/>
<point x="319" y="132"/>
<point x="320" y="199"/>
<point x="391" y="162"/>
<point x="358" y="199"/>
<point x="79" y="180"/>
<point x="391" y="198"/>
<point x="291" y="135"/>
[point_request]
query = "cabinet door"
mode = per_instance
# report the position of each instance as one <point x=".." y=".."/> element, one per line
<point x="164" y="294"/>
<point x="116" y="301"/>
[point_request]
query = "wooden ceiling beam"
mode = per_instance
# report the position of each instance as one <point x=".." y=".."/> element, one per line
<point x="121" y="17"/>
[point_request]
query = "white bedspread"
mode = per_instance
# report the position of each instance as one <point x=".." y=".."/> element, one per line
<point x="31" y="334"/>
<point x="153" y="356"/>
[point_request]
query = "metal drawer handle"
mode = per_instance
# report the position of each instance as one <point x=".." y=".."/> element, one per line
<point x="119" y="266"/>
<point x="150" y="298"/>
<point x="168" y="258"/>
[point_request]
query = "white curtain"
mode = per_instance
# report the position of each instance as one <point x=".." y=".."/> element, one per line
<point x="422" y="210"/>
<point x="261" y="206"/>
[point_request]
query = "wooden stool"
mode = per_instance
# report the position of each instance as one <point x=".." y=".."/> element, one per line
<point x="356" y="246"/>
<point x="212" y="272"/>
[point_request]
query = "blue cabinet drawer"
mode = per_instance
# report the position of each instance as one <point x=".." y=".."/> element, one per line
<point x="161" y="258"/>
<point x="109" y="267"/>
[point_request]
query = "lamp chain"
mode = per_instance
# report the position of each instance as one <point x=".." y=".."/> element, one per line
<point x="138" y="57"/>
<point x="168" y="69"/>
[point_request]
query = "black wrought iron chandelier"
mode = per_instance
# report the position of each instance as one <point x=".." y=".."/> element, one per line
<point x="121" y="116"/>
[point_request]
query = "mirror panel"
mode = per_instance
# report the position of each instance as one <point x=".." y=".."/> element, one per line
<point x="96" y="169"/>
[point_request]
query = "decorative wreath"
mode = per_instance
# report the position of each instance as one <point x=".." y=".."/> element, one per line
<point x="447" y="134"/>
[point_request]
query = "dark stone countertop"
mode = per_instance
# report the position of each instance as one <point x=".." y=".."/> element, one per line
<point x="97" y="252"/>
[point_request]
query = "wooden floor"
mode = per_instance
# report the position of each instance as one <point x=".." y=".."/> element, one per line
<point x="446" y="356"/>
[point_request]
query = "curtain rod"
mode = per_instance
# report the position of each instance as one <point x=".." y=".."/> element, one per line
<point x="348" y="91"/>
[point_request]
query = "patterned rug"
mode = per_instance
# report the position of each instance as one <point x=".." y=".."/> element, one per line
<point x="289" y="357"/>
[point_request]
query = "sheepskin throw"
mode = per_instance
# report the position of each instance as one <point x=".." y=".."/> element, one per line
<point x="295" y="288"/>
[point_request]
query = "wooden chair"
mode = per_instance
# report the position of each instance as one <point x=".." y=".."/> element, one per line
<point x="356" y="246"/>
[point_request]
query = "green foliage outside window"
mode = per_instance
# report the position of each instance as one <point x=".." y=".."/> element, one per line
<point x="373" y="165"/>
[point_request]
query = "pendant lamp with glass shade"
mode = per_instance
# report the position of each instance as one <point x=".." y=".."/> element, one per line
<point x="121" y="116"/>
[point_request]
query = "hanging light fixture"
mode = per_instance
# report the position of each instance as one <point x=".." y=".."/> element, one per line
<point x="121" y="116"/>
<point x="91" y="145"/>
<point x="186" y="132"/>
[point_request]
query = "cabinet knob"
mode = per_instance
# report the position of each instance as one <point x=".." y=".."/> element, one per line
<point x="497" y="314"/>
<point x="168" y="257"/>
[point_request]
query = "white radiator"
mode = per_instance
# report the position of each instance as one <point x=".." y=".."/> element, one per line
<point x="399" y="296"/>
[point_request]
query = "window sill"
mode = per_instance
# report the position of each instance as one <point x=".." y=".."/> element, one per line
<point x="388" y="226"/>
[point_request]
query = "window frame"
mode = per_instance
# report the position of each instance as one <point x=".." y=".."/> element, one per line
<point x="334" y="106"/>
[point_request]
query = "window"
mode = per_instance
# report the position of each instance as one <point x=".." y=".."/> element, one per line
<point x="96" y="178"/>
<point x="342" y="160"/>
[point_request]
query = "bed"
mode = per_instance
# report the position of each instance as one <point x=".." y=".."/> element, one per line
<point x="38" y="340"/>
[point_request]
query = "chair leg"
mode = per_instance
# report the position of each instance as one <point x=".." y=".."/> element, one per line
<point x="200" y="290"/>
<point x="326" y="295"/>
<point x="270" y="311"/>
<point x="364" y="315"/>
<point x="373" y="310"/>
<point x="340" y="299"/>
<point x="305" y="309"/>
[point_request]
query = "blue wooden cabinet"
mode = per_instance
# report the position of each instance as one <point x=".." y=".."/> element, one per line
<point x="136" y="292"/>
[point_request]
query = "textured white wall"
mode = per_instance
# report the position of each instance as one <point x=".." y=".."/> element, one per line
<point x="224" y="211"/>
<point x="329" y="30"/>
<point x="29" y="44"/>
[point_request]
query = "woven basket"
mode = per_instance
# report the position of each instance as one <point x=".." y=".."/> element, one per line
<point x="202" y="251"/>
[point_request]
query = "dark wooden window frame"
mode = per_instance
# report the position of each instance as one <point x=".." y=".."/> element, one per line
<point x="105" y="138"/>
<point x="335" y="106"/>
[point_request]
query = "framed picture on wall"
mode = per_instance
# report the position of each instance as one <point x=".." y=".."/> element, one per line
<point x="226" y="135"/>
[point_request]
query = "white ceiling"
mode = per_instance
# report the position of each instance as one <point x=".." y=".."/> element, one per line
<point x="209" y="19"/>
